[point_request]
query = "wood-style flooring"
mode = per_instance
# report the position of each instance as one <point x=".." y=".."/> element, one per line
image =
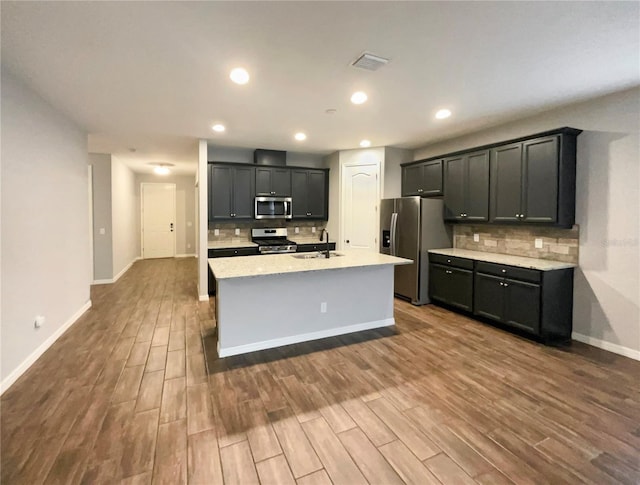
<point x="133" y="393"/>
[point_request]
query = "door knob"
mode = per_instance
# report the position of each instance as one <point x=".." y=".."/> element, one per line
<point x="171" y="226"/>
<point x="347" y="241"/>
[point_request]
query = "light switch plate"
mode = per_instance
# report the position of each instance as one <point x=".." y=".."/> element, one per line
<point x="102" y="231"/>
<point x="188" y="223"/>
<point x="313" y="229"/>
<point x="476" y="237"/>
<point x="538" y="243"/>
<point x="237" y="231"/>
<point x="216" y="232"/>
<point x="297" y="230"/>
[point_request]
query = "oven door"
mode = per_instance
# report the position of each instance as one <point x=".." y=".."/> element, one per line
<point x="273" y="208"/>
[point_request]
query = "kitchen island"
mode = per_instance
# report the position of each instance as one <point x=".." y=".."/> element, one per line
<point x="273" y="300"/>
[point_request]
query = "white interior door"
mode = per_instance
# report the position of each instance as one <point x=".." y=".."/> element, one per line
<point x="360" y="201"/>
<point x="158" y="206"/>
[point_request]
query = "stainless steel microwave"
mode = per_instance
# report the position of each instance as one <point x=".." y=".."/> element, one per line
<point x="273" y="208"/>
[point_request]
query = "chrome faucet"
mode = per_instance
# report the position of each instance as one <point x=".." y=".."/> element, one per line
<point x="327" y="254"/>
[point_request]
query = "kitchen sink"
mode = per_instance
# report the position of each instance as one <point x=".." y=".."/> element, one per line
<point x="321" y="255"/>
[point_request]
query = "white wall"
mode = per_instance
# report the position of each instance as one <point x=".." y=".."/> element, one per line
<point x="185" y="223"/>
<point x="102" y="243"/>
<point x="123" y="209"/>
<point x="606" y="289"/>
<point x="392" y="179"/>
<point x="45" y="240"/>
<point x="203" y="222"/>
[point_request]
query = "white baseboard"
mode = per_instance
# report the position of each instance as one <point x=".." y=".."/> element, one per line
<point x="28" y="362"/>
<point x="603" y="344"/>
<point x="117" y="277"/>
<point x="305" y="337"/>
<point x="191" y="255"/>
<point x="203" y="297"/>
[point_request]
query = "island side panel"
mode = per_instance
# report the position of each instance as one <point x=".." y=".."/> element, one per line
<point x="261" y="312"/>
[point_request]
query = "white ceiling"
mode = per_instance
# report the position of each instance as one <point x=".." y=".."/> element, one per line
<point x="154" y="75"/>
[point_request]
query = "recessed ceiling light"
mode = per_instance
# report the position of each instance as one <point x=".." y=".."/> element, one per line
<point x="239" y="75"/>
<point x="365" y="143"/>
<point x="219" y="128"/>
<point x="442" y="114"/>
<point x="358" y="97"/>
<point x="300" y="136"/>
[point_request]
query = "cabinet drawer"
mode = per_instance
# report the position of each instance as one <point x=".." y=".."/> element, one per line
<point x="308" y="248"/>
<point x="451" y="261"/>
<point x="228" y="252"/>
<point x="513" y="272"/>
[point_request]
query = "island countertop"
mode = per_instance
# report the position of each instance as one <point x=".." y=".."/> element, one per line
<point x="274" y="264"/>
<point x="507" y="259"/>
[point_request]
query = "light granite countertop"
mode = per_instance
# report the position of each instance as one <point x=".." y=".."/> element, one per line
<point x="519" y="261"/>
<point x="230" y="244"/>
<point x="274" y="264"/>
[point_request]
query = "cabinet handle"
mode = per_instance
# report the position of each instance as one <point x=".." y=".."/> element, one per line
<point x="504" y="270"/>
<point x="506" y="284"/>
<point x="501" y="283"/>
<point x="517" y="215"/>
<point x="448" y="260"/>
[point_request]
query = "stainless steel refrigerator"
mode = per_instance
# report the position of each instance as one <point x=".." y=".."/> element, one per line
<point x="410" y="227"/>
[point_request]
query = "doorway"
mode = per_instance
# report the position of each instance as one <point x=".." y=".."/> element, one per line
<point x="158" y="215"/>
<point x="360" y="201"/>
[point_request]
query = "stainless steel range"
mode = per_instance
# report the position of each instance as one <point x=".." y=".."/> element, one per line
<point x="273" y="241"/>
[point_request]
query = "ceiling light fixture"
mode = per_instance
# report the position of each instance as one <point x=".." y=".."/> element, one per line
<point x="239" y="75"/>
<point x="300" y="136"/>
<point x="442" y="114"/>
<point x="219" y="128"/>
<point x="365" y="143"/>
<point x="161" y="168"/>
<point x="358" y="97"/>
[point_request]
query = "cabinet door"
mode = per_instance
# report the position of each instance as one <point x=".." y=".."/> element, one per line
<point x="316" y="194"/>
<point x="522" y="305"/>
<point x="476" y="187"/>
<point x="454" y="188"/>
<point x="431" y="178"/>
<point x="411" y="180"/>
<point x="540" y="180"/>
<point x="488" y="296"/>
<point x="506" y="183"/>
<point x="439" y="283"/>
<point x="299" y="193"/>
<point x="281" y="182"/>
<point x="461" y="284"/>
<point x="243" y="192"/>
<point x="220" y="192"/>
<point x="263" y="181"/>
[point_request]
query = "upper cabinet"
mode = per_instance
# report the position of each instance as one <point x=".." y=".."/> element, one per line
<point x="466" y="187"/>
<point x="273" y="181"/>
<point x="423" y="178"/>
<point x="533" y="181"/>
<point x="231" y="191"/>
<point x="310" y="194"/>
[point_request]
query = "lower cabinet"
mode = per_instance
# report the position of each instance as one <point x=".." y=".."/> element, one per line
<point x="537" y="302"/>
<point x="227" y="253"/>
<point x="451" y="284"/>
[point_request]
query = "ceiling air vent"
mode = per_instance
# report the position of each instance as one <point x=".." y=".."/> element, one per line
<point x="370" y="62"/>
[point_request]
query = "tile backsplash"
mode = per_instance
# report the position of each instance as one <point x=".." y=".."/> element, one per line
<point x="227" y="230"/>
<point x="557" y="244"/>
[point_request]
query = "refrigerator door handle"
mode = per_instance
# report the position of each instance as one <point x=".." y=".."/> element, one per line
<point x="394" y="224"/>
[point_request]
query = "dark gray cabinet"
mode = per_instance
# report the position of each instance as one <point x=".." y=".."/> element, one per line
<point x="273" y="181"/>
<point x="533" y="181"/>
<point x="309" y="194"/>
<point x="231" y="191"/>
<point x="309" y="248"/>
<point x="466" y="187"/>
<point x="451" y="281"/>
<point x="423" y="178"/>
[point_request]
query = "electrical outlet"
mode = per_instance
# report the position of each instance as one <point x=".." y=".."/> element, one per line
<point x="323" y="307"/>
<point x="297" y="230"/>
<point x="102" y="231"/>
<point x="237" y="231"/>
<point x="476" y="237"/>
<point x="188" y="246"/>
<point x="538" y="243"/>
<point x="188" y="223"/>
<point x="39" y="321"/>
<point x="313" y="229"/>
<point x="216" y="232"/>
